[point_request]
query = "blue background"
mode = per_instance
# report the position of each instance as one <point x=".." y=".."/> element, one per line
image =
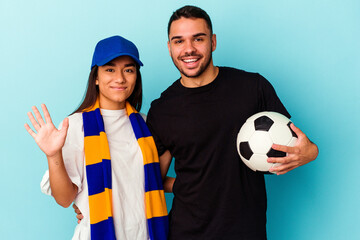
<point x="309" y="50"/>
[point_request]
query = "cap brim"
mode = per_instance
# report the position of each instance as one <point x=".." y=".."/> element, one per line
<point x="108" y="59"/>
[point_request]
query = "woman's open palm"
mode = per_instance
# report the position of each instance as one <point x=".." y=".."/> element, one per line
<point x="47" y="136"/>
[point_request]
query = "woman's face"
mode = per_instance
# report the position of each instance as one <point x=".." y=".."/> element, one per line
<point x="116" y="81"/>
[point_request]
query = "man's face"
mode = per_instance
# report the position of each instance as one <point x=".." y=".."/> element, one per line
<point x="191" y="46"/>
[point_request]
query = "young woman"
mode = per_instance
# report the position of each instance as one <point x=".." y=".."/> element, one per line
<point x="103" y="158"/>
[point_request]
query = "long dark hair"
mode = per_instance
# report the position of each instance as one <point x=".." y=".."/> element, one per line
<point x="92" y="91"/>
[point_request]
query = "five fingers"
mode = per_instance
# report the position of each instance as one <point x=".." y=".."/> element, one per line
<point x="289" y="162"/>
<point x="39" y="121"/>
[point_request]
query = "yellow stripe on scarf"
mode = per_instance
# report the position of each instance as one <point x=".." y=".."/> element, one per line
<point x="147" y="146"/>
<point x="100" y="214"/>
<point x="98" y="143"/>
<point x="155" y="201"/>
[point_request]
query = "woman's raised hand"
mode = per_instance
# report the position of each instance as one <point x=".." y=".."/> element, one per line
<point x="46" y="135"/>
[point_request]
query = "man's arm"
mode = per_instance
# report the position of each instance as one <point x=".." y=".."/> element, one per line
<point x="165" y="161"/>
<point x="79" y="215"/>
<point x="302" y="153"/>
<point x="168" y="183"/>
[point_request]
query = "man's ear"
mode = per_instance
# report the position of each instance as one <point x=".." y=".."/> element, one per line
<point x="168" y="44"/>
<point x="213" y="42"/>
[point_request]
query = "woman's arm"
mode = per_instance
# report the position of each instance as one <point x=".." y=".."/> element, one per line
<point x="51" y="140"/>
<point x="62" y="188"/>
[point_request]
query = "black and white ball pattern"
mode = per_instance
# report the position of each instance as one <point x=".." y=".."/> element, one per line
<point x="257" y="135"/>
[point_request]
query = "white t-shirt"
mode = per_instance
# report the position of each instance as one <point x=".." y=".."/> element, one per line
<point x="127" y="175"/>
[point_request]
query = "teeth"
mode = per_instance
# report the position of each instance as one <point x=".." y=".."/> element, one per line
<point x="190" y="60"/>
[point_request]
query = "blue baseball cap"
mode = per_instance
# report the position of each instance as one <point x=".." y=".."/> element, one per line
<point x="113" y="47"/>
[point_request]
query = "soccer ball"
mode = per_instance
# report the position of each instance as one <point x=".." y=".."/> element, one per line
<point x="257" y="135"/>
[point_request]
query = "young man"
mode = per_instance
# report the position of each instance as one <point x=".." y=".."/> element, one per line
<point x="196" y="121"/>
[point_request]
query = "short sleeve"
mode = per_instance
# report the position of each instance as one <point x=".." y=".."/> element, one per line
<point x="269" y="100"/>
<point x="151" y="123"/>
<point x="45" y="184"/>
<point x="74" y="163"/>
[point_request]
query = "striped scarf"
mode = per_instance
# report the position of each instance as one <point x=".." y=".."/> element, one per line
<point x="98" y="171"/>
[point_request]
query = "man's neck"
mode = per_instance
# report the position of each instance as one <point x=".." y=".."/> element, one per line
<point x="205" y="78"/>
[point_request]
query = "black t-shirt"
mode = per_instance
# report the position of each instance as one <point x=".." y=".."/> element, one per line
<point x="215" y="195"/>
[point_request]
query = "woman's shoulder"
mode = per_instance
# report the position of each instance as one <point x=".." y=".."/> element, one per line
<point x="75" y="118"/>
<point x="75" y="132"/>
